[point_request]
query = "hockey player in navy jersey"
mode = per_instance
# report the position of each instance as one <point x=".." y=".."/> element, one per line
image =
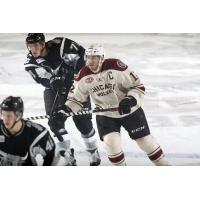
<point x="21" y="141"/>
<point x="53" y="64"/>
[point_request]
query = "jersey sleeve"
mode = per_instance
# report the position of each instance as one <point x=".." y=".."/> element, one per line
<point x="39" y="70"/>
<point x="78" y="95"/>
<point x="132" y="85"/>
<point x="44" y="145"/>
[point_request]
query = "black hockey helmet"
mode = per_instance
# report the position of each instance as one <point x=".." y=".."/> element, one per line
<point x="14" y="104"/>
<point x="35" y="37"/>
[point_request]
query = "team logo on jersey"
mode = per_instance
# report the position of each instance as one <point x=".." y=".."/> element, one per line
<point x="121" y="64"/>
<point x="2" y="138"/>
<point x="40" y="60"/>
<point x="89" y="80"/>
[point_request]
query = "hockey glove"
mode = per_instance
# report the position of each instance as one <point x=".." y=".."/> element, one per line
<point x="56" y="83"/>
<point x="126" y="104"/>
<point x="59" y="114"/>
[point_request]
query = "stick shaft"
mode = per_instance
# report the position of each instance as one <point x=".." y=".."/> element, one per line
<point x="75" y="114"/>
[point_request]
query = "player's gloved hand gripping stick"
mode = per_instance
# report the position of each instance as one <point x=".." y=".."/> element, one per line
<point x="126" y="104"/>
<point x="85" y="112"/>
<point x="64" y="111"/>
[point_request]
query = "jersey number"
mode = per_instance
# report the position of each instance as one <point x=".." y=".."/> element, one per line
<point x="73" y="46"/>
<point x="49" y="146"/>
<point x="135" y="77"/>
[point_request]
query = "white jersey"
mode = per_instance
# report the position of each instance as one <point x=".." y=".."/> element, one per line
<point x="106" y="88"/>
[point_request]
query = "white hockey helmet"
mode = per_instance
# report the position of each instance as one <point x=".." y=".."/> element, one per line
<point x="95" y="50"/>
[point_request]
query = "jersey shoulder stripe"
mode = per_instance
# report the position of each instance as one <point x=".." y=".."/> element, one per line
<point x="108" y="64"/>
<point x="113" y="64"/>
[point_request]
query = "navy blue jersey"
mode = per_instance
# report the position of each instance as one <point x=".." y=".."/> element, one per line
<point x="64" y="58"/>
<point x="21" y="148"/>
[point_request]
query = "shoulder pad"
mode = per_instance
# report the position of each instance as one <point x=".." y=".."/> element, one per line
<point x="36" y="126"/>
<point x="56" y="42"/>
<point x="114" y="64"/>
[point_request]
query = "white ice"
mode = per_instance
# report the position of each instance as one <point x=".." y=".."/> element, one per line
<point x="169" y="66"/>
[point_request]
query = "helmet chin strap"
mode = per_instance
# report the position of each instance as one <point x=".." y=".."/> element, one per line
<point x="15" y="123"/>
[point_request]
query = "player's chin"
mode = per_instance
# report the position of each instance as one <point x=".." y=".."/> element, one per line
<point x="35" y="55"/>
<point x="7" y="125"/>
<point x="93" y="68"/>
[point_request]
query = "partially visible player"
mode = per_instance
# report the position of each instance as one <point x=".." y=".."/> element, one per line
<point x="111" y="84"/>
<point x="21" y="141"/>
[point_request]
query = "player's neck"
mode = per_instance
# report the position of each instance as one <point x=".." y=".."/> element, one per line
<point x="44" y="52"/>
<point x="17" y="127"/>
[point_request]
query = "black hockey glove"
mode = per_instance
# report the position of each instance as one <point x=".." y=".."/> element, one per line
<point x="126" y="104"/>
<point x="59" y="113"/>
<point x="56" y="83"/>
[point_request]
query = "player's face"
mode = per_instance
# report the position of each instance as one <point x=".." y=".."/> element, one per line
<point x="9" y="118"/>
<point x="36" y="49"/>
<point x="93" y="62"/>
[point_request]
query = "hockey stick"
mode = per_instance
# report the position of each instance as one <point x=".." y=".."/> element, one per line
<point x="54" y="104"/>
<point x="74" y="113"/>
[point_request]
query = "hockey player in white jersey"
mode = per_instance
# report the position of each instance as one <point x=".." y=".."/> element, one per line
<point x="111" y="84"/>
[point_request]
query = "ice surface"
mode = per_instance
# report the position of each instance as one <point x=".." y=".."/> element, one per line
<point x="169" y="66"/>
